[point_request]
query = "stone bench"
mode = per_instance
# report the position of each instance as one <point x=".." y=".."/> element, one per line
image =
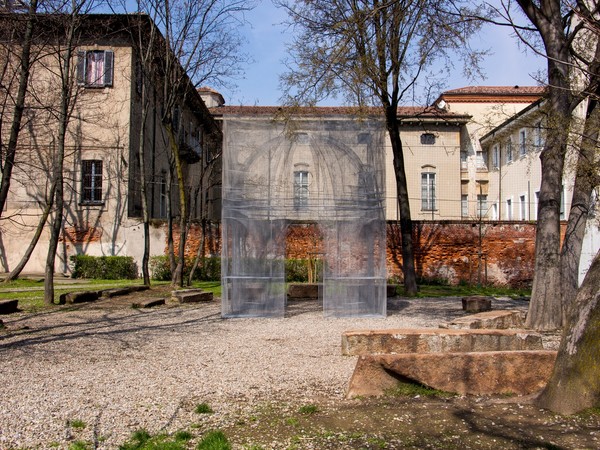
<point x="192" y="296"/>
<point x="476" y="303"/>
<point x="9" y="306"/>
<point x="79" y="297"/>
<point x="427" y="340"/>
<point x="303" y="291"/>
<point x="116" y="292"/>
<point x="489" y="320"/>
<point x="474" y="373"/>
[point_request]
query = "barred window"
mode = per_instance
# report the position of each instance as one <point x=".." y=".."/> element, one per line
<point x="91" y="180"/>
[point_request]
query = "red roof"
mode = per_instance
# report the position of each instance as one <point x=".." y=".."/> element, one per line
<point x="493" y="94"/>
<point x="403" y="111"/>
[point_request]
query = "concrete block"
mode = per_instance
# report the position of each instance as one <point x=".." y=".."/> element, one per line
<point x="303" y="291"/>
<point x="148" y="303"/>
<point x="192" y="296"/>
<point x="489" y="320"/>
<point x="476" y="303"/>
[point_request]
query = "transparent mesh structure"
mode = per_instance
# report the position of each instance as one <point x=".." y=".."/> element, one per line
<point x="326" y="170"/>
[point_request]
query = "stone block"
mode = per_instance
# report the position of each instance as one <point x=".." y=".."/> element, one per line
<point x="192" y="296"/>
<point x="476" y="373"/>
<point x="428" y="340"/>
<point x="476" y="303"/>
<point x="303" y="291"/>
<point x="9" y="306"/>
<point x="489" y="320"/>
<point x="79" y="297"/>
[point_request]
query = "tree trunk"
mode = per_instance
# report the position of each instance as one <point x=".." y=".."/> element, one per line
<point x="545" y="309"/>
<point x="585" y="181"/>
<point x="11" y="149"/>
<point x="575" y="382"/>
<point x="143" y="181"/>
<point x="408" y="262"/>
<point x="14" y="274"/>
<point x="177" y="278"/>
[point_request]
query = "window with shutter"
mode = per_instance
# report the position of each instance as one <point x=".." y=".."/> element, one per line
<point x="91" y="181"/>
<point x="95" y="68"/>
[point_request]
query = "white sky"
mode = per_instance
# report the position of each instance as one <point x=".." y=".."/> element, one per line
<point x="266" y="38"/>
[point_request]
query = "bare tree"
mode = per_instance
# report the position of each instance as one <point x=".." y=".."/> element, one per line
<point x="19" y="103"/>
<point x="374" y="52"/>
<point x="200" y="44"/>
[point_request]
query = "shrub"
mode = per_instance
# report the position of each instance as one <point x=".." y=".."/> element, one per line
<point x="104" y="267"/>
<point x="209" y="269"/>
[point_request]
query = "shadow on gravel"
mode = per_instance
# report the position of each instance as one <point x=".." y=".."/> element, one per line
<point x="108" y="326"/>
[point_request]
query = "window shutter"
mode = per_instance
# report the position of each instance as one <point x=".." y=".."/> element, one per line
<point x="81" y="67"/>
<point x="108" y="67"/>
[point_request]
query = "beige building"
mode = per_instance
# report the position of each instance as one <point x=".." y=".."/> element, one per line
<point x="101" y="165"/>
<point x="488" y="106"/>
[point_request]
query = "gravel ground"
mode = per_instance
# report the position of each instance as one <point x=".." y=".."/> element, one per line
<point x="118" y="370"/>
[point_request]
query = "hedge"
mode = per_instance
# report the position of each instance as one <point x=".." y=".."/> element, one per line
<point x="104" y="267"/>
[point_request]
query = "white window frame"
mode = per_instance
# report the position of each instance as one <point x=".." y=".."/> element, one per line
<point x="301" y="191"/>
<point x="428" y="188"/>
<point x="495" y="156"/>
<point x="464" y="205"/>
<point x="522" y="142"/>
<point x="523" y="206"/>
<point x="509" y="209"/>
<point x="509" y="154"/>
<point x="539" y="137"/>
<point x="482" y="206"/>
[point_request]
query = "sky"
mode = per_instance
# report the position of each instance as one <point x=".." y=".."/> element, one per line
<point x="508" y="65"/>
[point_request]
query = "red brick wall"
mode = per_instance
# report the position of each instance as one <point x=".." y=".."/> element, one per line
<point x="446" y="250"/>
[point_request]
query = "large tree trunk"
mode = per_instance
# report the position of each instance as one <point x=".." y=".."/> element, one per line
<point x="585" y="181"/>
<point x="575" y="382"/>
<point x="143" y="181"/>
<point x="408" y="262"/>
<point x="11" y="148"/>
<point x="545" y="309"/>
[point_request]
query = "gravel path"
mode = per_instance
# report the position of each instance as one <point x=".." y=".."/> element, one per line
<point x="121" y="370"/>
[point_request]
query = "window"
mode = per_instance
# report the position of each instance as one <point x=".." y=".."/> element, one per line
<point x="480" y="158"/>
<point x="537" y="203"/>
<point x="300" y="189"/>
<point x="539" y="137"/>
<point x="522" y="142"/>
<point x="495" y="211"/>
<point x="563" y="214"/>
<point x="464" y="205"/>
<point x="428" y="191"/>
<point x="523" y="207"/>
<point x="495" y="156"/>
<point x="91" y="181"/>
<point x="162" y="199"/>
<point x="509" y="151"/>
<point x="95" y="68"/>
<point x="428" y="139"/>
<point x="509" y="213"/>
<point x="482" y="205"/>
<point x="463" y="160"/>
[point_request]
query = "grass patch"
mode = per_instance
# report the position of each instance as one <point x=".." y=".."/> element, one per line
<point x="407" y="389"/>
<point x="142" y="440"/>
<point x="77" y="424"/>
<point x="80" y="445"/>
<point x="203" y="408"/>
<point x="214" y="440"/>
<point x="308" y="409"/>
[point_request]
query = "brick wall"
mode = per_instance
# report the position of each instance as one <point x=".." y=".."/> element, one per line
<point x="449" y="251"/>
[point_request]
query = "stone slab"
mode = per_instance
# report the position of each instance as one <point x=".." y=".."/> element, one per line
<point x="192" y="296"/>
<point x="489" y="320"/>
<point x="303" y="291"/>
<point x="148" y="303"/>
<point x="428" y="340"/>
<point x="9" y="306"/>
<point x="476" y="303"/>
<point x="115" y="292"/>
<point x="476" y="373"/>
<point x="79" y="297"/>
